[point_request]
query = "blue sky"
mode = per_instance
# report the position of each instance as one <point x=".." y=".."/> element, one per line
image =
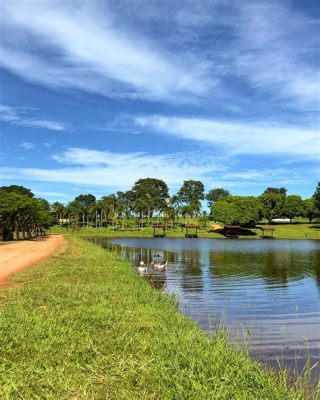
<point x="97" y="94"/>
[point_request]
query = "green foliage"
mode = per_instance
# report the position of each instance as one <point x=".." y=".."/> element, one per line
<point x="215" y="195"/>
<point x="149" y="194"/>
<point x="293" y="207"/>
<point x="310" y="209"/>
<point x="16" y="189"/>
<point x="85" y="200"/>
<point x="281" y="190"/>
<point x="316" y="197"/>
<point x="22" y="213"/>
<point x="273" y="205"/>
<point x="87" y="327"/>
<point x="244" y="211"/>
<point x="191" y="193"/>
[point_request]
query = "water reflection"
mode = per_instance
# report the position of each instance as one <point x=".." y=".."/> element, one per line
<point x="270" y="288"/>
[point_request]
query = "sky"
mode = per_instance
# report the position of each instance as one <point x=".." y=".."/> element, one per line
<point x="97" y="94"/>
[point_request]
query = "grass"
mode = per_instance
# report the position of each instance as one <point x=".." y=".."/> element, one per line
<point x="284" y="231"/>
<point x="83" y="325"/>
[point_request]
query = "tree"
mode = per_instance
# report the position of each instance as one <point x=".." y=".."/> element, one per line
<point x="273" y="205"/>
<point x="58" y="209"/>
<point x="310" y="210"/>
<point x="281" y="190"/>
<point x="191" y="193"/>
<point x="153" y="193"/>
<point x="83" y="202"/>
<point x="238" y="210"/>
<point x="22" y="213"/>
<point x="316" y="197"/>
<point x="215" y="195"/>
<point x="16" y="189"/>
<point x="293" y="207"/>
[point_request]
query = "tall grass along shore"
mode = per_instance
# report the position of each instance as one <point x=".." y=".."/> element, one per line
<point x="83" y="325"/>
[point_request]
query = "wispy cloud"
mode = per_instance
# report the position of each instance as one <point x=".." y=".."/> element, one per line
<point x="105" y="169"/>
<point x="21" y="117"/>
<point x="27" y="145"/>
<point x="237" y="137"/>
<point x="278" y="51"/>
<point x="194" y="50"/>
<point x="89" y="52"/>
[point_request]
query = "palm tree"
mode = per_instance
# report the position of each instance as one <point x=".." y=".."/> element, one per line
<point x="140" y="207"/>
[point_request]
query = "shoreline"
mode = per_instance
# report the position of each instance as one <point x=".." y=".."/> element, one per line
<point x="291" y="232"/>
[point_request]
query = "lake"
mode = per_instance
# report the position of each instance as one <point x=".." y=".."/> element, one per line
<point x="266" y="293"/>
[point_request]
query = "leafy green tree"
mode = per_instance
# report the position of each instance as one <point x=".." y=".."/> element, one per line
<point x="293" y="207"/>
<point x="83" y="202"/>
<point x="59" y="210"/>
<point x="140" y="207"/>
<point x="310" y="209"/>
<point x="191" y="190"/>
<point x="22" y="213"/>
<point x="74" y="210"/>
<point x="316" y="197"/>
<point x="238" y="210"/>
<point x="281" y="190"/>
<point x="16" y="189"/>
<point x="124" y="202"/>
<point x="175" y="204"/>
<point x="215" y="195"/>
<point x="152" y="192"/>
<point x="273" y="205"/>
<point x="186" y="212"/>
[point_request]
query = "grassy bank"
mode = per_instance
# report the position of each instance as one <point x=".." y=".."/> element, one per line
<point x="84" y="326"/>
<point x="285" y="231"/>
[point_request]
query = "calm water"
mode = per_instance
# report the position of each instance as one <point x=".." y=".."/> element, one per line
<point x="266" y="293"/>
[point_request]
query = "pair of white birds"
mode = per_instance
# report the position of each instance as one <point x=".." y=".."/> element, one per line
<point x="155" y="265"/>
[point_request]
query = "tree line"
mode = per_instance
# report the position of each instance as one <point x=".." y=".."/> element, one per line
<point x="149" y="197"/>
<point x="21" y="213"/>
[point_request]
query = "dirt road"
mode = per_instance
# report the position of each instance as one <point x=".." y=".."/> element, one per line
<point x="23" y="254"/>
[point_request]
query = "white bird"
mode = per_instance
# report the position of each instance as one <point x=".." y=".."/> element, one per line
<point x="142" y="268"/>
<point x="159" y="266"/>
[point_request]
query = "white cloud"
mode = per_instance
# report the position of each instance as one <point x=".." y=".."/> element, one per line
<point x="27" y="145"/>
<point x="89" y="52"/>
<point x="188" y="52"/>
<point x="20" y="117"/>
<point x="94" y="168"/>
<point x="239" y="138"/>
<point x="276" y="50"/>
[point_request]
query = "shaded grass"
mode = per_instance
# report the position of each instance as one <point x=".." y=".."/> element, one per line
<point x="284" y="231"/>
<point x="85" y="326"/>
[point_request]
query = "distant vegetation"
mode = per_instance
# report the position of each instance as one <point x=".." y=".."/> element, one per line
<point x="147" y="202"/>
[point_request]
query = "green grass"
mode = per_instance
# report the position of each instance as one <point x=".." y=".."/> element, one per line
<point x="285" y="231"/>
<point x="84" y="325"/>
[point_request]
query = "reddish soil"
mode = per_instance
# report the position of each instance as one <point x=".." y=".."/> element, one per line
<point x="15" y="257"/>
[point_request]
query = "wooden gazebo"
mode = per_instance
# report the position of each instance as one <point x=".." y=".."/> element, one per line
<point x="191" y="231"/>
<point x="162" y="229"/>
<point x="266" y="229"/>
